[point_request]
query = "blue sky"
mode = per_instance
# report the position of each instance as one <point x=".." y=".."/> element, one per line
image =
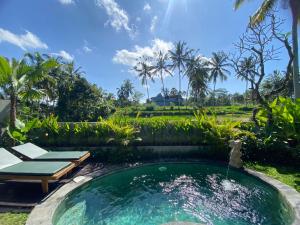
<point x="104" y="36"/>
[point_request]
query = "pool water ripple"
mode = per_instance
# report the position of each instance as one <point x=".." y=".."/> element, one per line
<point x="163" y="193"/>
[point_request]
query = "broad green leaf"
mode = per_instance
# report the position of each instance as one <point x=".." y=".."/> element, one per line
<point x="19" y="124"/>
<point x="5" y="71"/>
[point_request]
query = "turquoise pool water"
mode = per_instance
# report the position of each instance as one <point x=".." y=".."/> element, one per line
<point x="161" y="193"/>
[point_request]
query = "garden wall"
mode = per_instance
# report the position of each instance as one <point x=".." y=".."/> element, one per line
<point x="136" y="153"/>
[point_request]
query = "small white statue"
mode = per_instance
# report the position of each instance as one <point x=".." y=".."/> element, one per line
<point x="235" y="157"/>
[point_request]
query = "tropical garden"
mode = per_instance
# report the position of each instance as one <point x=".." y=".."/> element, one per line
<point x="52" y="104"/>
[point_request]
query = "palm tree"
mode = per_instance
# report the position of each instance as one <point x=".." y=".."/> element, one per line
<point x="124" y="92"/>
<point x="197" y="74"/>
<point x="198" y="82"/>
<point x="43" y="81"/>
<point x="247" y="72"/>
<point x="260" y="15"/>
<point x="160" y="68"/>
<point x="13" y="78"/>
<point x="179" y="58"/>
<point x="217" y="65"/>
<point x="144" y="70"/>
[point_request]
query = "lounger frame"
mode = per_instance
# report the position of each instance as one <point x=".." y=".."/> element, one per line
<point x="43" y="179"/>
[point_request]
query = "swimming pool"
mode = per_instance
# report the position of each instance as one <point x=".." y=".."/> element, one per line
<point x="168" y="192"/>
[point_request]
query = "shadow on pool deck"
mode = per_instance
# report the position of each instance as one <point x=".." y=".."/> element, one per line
<point x="23" y="196"/>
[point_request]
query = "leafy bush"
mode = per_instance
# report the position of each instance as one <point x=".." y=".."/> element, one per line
<point x="285" y="122"/>
<point x="150" y="106"/>
<point x="274" y="141"/>
<point x="200" y="130"/>
<point x="49" y="132"/>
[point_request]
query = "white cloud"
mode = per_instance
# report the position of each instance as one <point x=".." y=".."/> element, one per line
<point x="86" y="47"/>
<point x="203" y="58"/>
<point x="153" y="24"/>
<point x="65" y="55"/>
<point x="147" y="7"/>
<point x="24" y="41"/>
<point x="129" y="58"/>
<point x="66" y="2"/>
<point x="118" y="17"/>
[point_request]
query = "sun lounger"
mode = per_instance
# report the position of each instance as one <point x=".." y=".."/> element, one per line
<point x="13" y="168"/>
<point x="32" y="152"/>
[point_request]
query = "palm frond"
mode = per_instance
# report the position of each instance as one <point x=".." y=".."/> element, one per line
<point x="238" y="4"/>
<point x="33" y="94"/>
<point x="262" y="12"/>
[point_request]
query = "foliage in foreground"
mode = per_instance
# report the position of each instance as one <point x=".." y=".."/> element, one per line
<point x="13" y="218"/>
<point x="49" y="132"/>
<point x="276" y="140"/>
<point x="285" y="122"/>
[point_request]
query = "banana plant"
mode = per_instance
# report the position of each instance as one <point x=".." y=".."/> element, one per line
<point x="17" y="79"/>
<point x="13" y="77"/>
<point x="286" y="116"/>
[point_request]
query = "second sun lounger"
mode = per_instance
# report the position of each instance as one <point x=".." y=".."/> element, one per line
<point x="33" y="152"/>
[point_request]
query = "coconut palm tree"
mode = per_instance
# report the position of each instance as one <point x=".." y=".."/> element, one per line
<point x="198" y="81"/>
<point x="196" y="72"/>
<point x="260" y="15"/>
<point x="124" y="92"/>
<point x="144" y="71"/>
<point x="217" y="65"/>
<point x="179" y="58"/>
<point x="247" y="72"/>
<point x="160" y="68"/>
<point x="43" y="81"/>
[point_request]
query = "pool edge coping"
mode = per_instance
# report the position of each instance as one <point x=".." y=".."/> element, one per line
<point x="43" y="213"/>
<point x="291" y="196"/>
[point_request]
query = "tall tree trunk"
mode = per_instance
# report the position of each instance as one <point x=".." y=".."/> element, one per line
<point x="187" y="95"/>
<point x="147" y="90"/>
<point x="295" y="48"/>
<point x="214" y="93"/>
<point x="162" y="81"/>
<point x="252" y="93"/>
<point x="13" y="110"/>
<point x="179" y="91"/>
<point x="246" y="92"/>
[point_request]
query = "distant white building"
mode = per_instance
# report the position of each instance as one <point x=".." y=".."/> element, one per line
<point x="4" y="110"/>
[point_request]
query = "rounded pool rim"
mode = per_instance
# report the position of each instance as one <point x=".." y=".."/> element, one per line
<point x="44" y="212"/>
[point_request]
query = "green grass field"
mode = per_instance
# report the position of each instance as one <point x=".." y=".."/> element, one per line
<point x="174" y="113"/>
<point x="13" y="218"/>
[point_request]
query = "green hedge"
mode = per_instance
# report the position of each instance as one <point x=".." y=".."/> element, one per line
<point x="201" y="130"/>
<point x="149" y="153"/>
